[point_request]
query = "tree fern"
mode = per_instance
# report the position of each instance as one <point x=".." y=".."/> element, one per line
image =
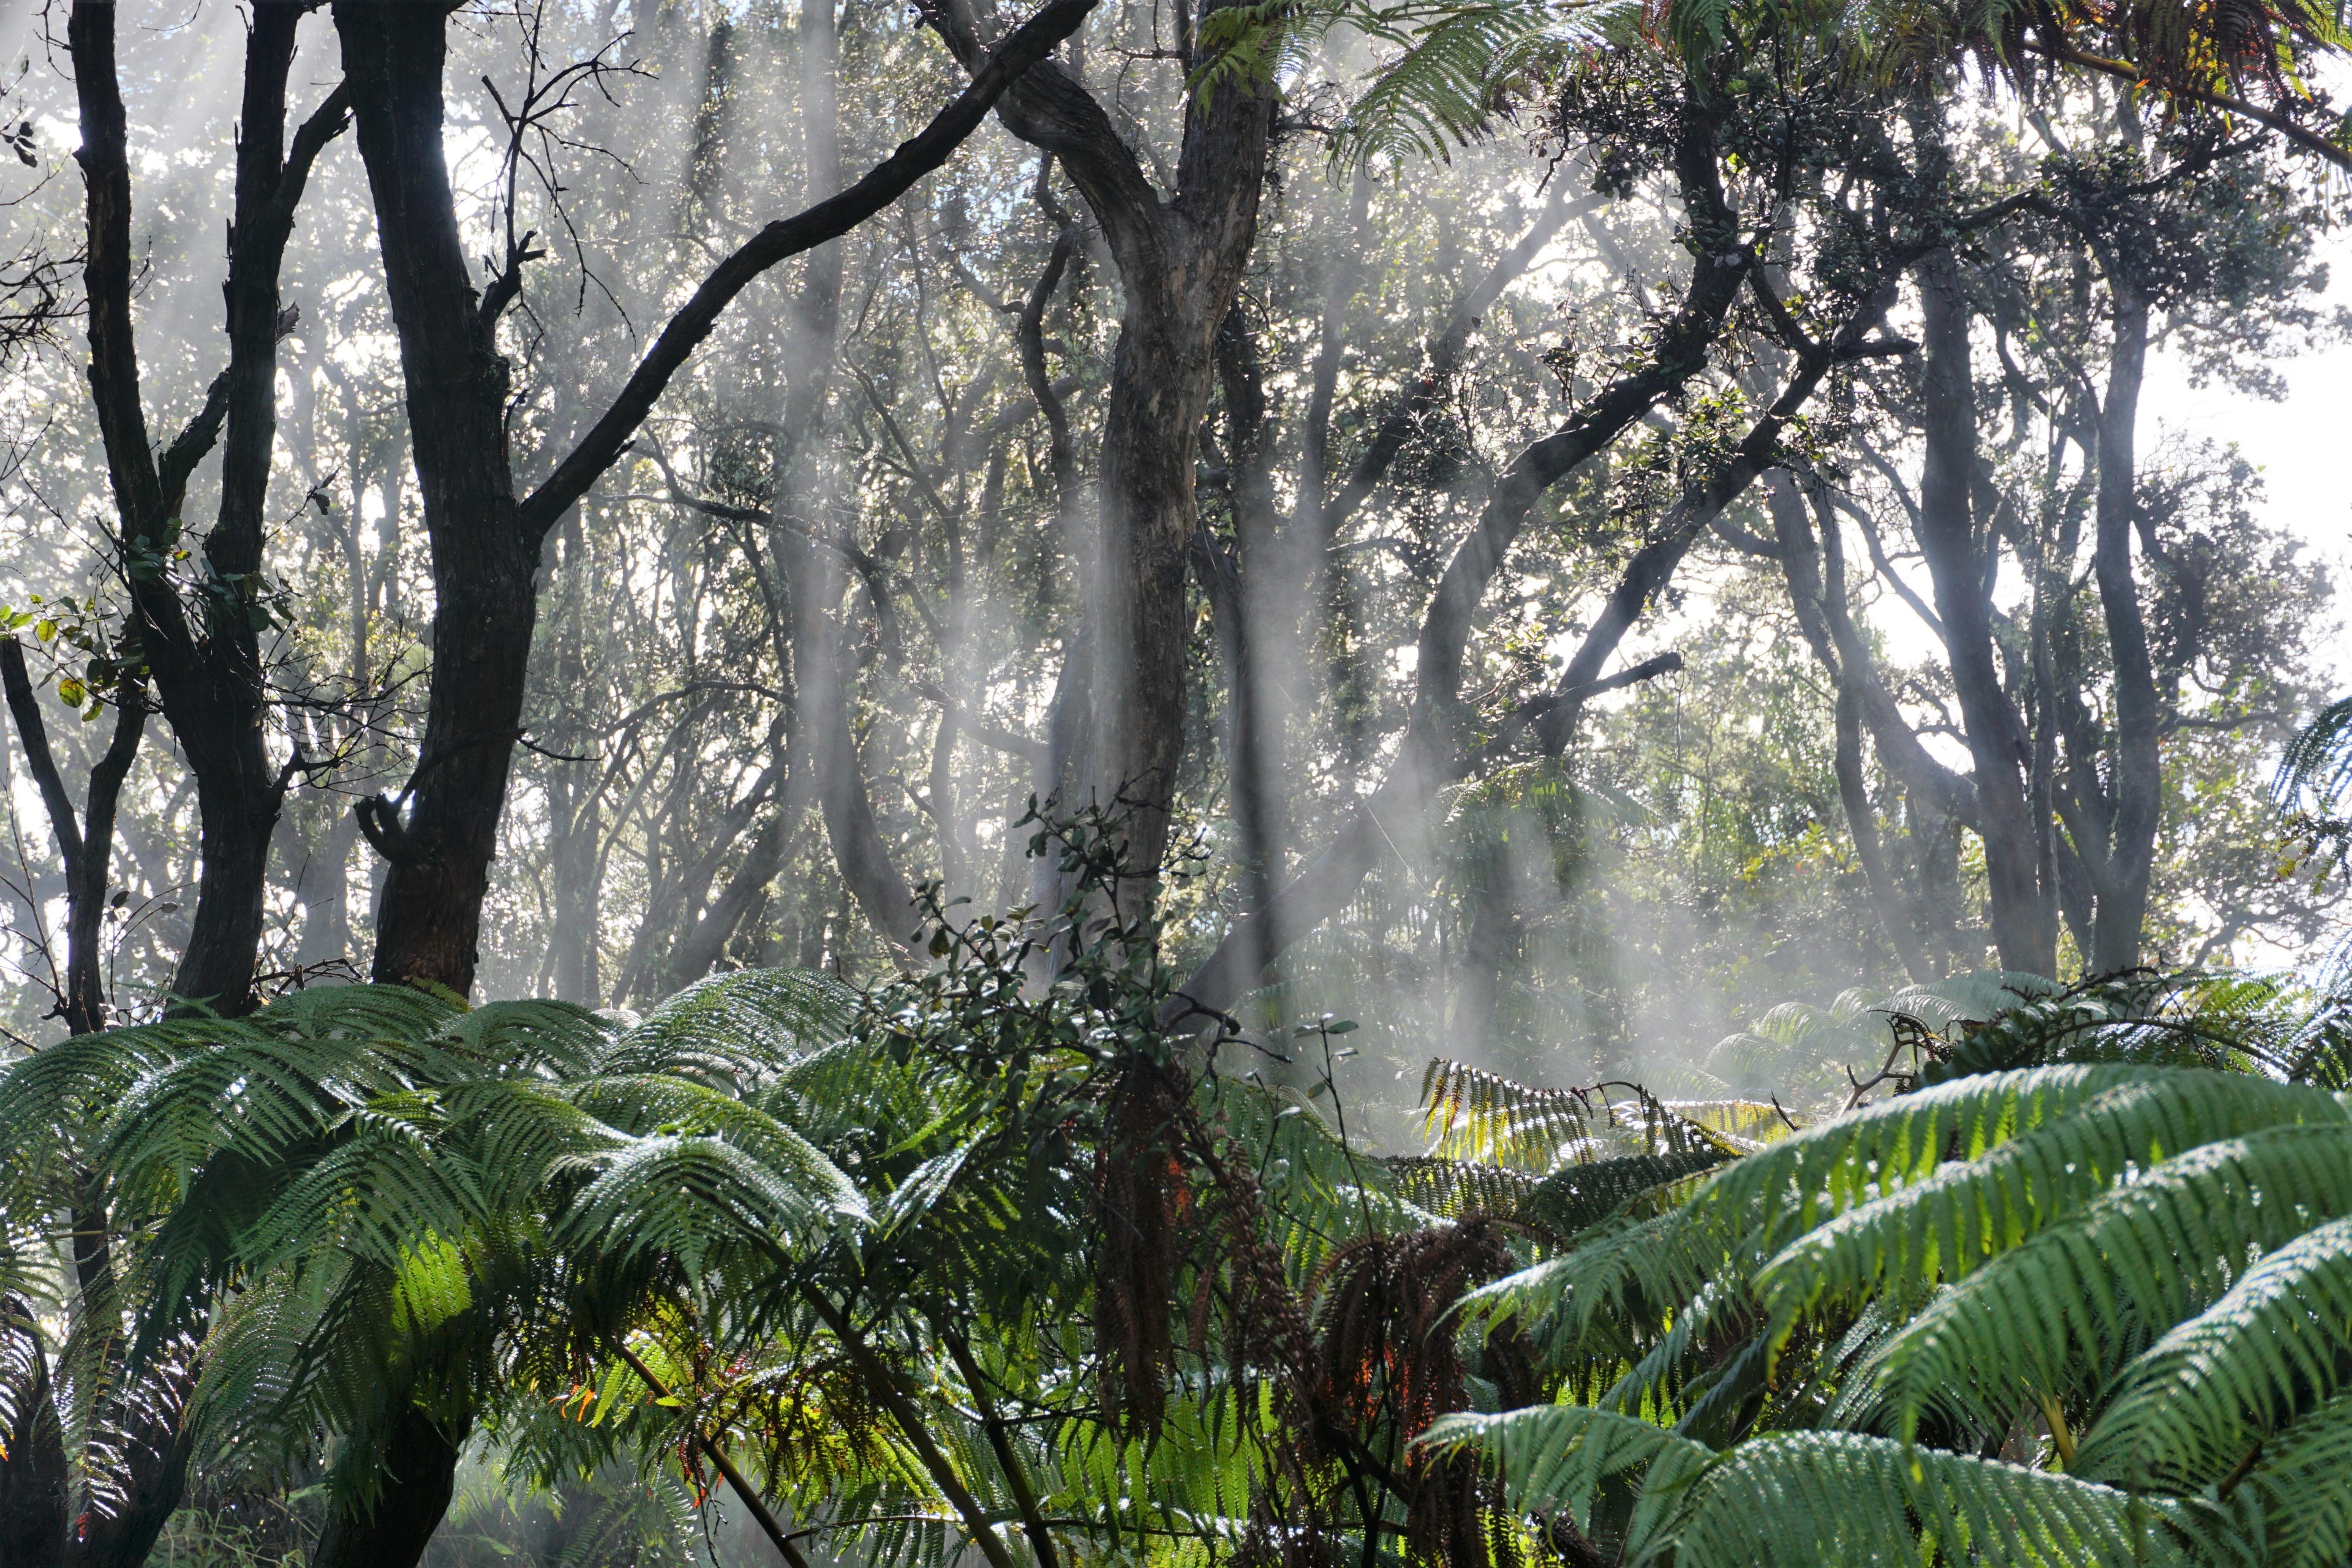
<point x="2193" y="1405"/>
<point x="1945" y="1226"/>
<point x="2146" y="1252"/>
<point x="1827" y="1499"/>
<point x="1853" y="1319"/>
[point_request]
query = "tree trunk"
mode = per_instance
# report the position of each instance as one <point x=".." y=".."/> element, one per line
<point x="1179" y="264"/>
<point x="1961" y="558"/>
<point x="1255" y="623"/>
<point x="420" y="1471"/>
<point x="33" y="1476"/>
<point x="825" y="664"/>
<point x="2137" y="770"/>
<point x="208" y="676"/>
<point x="485" y="570"/>
<point x="1811" y="593"/>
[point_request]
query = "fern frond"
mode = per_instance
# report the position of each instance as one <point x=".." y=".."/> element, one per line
<point x="1577" y="1197"/>
<point x="748" y="1024"/>
<point x="2187" y="1409"/>
<point x="2317" y="767"/>
<point x="2297" y="1500"/>
<point x="1453" y="1188"/>
<point x="1561" y="1455"/>
<point x="1473" y="1114"/>
<point x="1810" y="1177"/>
<point x="1829" y="1500"/>
<point x="2151" y="1249"/>
<point x="1945" y="1226"/>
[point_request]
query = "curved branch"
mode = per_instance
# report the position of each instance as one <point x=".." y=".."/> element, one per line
<point x="828" y="220"/>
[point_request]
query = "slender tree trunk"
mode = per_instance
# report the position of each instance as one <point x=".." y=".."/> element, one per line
<point x="1253" y="639"/>
<point x="824" y="665"/>
<point x="1961" y="557"/>
<point x="1067" y="717"/>
<point x="1811" y="593"/>
<point x="1180" y="263"/>
<point x="207" y="676"/>
<point x="485" y="569"/>
<point x="2138" y="770"/>
<point x="700" y="950"/>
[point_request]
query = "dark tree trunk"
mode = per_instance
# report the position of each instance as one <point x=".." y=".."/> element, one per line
<point x="32" y="1478"/>
<point x="85" y="847"/>
<point x="420" y="1470"/>
<point x="485" y="568"/>
<point x="1179" y="264"/>
<point x="153" y="1470"/>
<point x="208" y="676"/>
<point x="1960" y="562"/>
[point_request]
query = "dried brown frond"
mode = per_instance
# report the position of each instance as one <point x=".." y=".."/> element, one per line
<point x="1390" y="1360"/>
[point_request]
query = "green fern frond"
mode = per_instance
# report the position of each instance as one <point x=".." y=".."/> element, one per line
<point x="1471" y="1113"/>
<point x="697" y="1197"/>
<point x="1561" y="1455"/>
<point x="1830" y="1500"/>
<point x="1628" y="1273"/>
<point x="2189" y="1408"/>
<point x="2032" y="1319"/>
<point x="748" y="1024"/>
<point x="1453" y="1188"/>
<point x="1949" y="1222"/>
<point x="2296" y="1502"/>
<point x="1577" y="1197"/>
<point x="1810" y="1177"/>
<point x="2317" y="768"/>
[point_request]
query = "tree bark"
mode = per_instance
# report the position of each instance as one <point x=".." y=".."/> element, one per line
<point x="1961" y="560"/>
<point x="485" y="565"/>
<point x="419" y="1476"/>
<point x="85" y="849"/>
<point x="1811" y="593"/>
<point x="1179" y="264"/>
<point x="34" y="1506"/>
<point x="2138" y="770"/>
<point x="207" y="676"/>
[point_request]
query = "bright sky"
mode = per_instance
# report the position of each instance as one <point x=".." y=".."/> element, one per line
<point x="2303" y="446"/>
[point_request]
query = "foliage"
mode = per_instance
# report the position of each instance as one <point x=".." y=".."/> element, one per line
<point x="2030" y="1310"/>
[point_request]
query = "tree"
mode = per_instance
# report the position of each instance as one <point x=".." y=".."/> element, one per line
<point x="207" y="674"/>
<point x="487" y="539"/>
